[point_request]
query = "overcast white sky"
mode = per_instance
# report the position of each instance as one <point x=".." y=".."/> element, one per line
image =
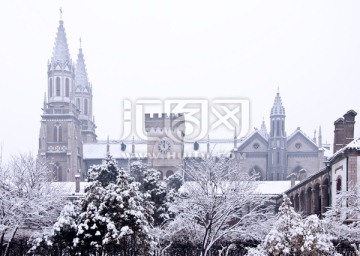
<point x="163" y="49"/>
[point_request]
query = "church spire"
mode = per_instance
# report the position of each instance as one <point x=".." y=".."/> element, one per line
<point x="277" y="108"/>
<point x="320" y="138"/>
<point x="61" y="49"/>
<point x="81" y="77"/>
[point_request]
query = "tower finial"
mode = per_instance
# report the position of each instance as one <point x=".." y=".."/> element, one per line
<point x="80" y="41"/>
<point x="278" y="90"/>
<point x="60" y="13"/>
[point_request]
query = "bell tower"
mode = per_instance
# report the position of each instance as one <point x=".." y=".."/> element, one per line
<point x="277" y="161"/>
<point x="165" y="142"/>
<point x="60" y="140"/>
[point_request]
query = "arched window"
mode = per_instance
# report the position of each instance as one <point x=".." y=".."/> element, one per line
<point x="338" y="184"/>
<point x="169" y="173"/>
<point x="60" y="133"/>
<point x="278" y="157"/>
<point x="50" y="88"/>
<point x="85" y="107"/>
<point x="58" y="86"/>
<point x="78" y="103"/>
<point x="278" y="128"/>
<point x="67" y="87"/>
<point x="55" y="133"/>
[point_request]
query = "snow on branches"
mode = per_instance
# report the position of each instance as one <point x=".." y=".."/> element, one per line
<point x="28" y="198"/>
<point x="114" y="216"/>
<point x="292" y="235"/>
<point x="218" y="204"/>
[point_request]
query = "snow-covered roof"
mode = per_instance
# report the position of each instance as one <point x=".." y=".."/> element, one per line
<point x="354" y="145"/>
<point x="68" y="187"/>
<point x="263" y="187"/>
<point x="298" y="130"/>
<point x="274" y="187"/>
<point x="327" y="152"/>
<point x="255" y="131"/>
<point x="98" y="150"/>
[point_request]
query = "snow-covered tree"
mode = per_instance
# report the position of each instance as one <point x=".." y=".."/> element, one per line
<point x="219" y="204"/>
<point x="60" y="237"/>
<point x="292" y="235"/>
<point x="104" y="173"/>
<point x="286" y="237"/>
<point x="115" y="218"/>
<point x="316" y="240"/>
<point x="137" y="171"/>
<point x="112" y="218"/>
<point x="343" y="218"/>
<point x="28" y="197"/>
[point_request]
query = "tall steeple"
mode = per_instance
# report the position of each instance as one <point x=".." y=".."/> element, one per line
<point x="81" y="77"/>
<point x="83" y="99"/>
<point x="277" y="157"/>
<point x="320" y="138"/>
<point x="61" y="48"/>
<point x="60" y="136"/>
<point x="61" y="69"/>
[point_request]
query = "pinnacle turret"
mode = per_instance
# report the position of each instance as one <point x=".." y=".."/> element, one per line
<point x="263" y="130"/>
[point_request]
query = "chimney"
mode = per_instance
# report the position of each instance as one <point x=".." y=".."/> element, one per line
<point x="292" y="177"/>
<point x="77" y="183"/>
<point x="344" y="130"/>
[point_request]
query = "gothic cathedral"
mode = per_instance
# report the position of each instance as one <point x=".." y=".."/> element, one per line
<point x="67" y="121"/>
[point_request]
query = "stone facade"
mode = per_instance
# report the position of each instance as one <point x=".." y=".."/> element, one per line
<point x="274" y="156"/>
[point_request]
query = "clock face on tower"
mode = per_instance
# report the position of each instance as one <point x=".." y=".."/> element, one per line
<point x="164" y="146"/>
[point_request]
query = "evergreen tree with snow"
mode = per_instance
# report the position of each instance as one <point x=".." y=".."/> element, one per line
<point x="292" y="235"/>
<point x="286" y="237"/>
<point x="114" y="218"/>
<point x="104" y="173"/>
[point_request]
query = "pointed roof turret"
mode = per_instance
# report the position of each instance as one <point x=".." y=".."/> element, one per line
<point x="277" y="108"/>
<point x="263" y="130"/>
<point x="61" y="49"/>
<point x="81" y="77"/>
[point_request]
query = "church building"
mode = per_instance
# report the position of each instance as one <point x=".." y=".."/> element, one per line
<point x="69" y="142"/>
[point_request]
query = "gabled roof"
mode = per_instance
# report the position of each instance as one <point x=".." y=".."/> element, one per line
<point x="299" y="132"/>
<point x="255" y="134"/>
